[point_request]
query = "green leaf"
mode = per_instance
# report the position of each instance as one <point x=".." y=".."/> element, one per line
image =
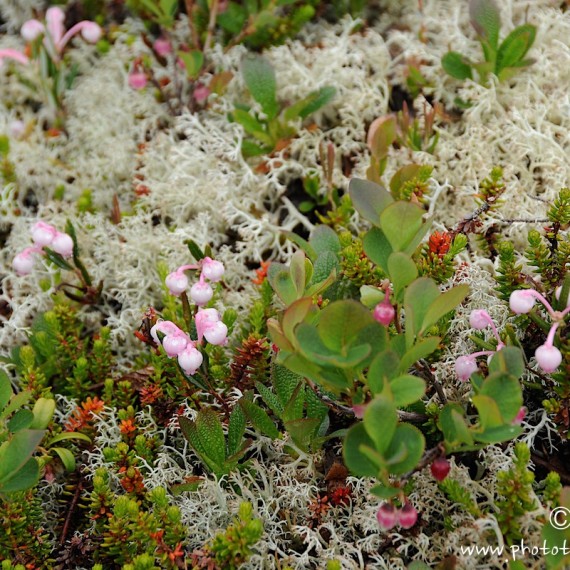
<point x="270" y="399"/>
<point x="409" y="439"/>
<point x="403" y="175"/>
<point x="24" y="479"/>
<point x="456" y="65"/>
<point x="505" y="390"/>
<point x="252" y="126"/>
<point x="407" y="389"/>
<point x="515" y="46"/>
<point x="402" y="271"/>
<point x="489" y="413"/>
<point x="400" y="222"/>
<point x="211" y="435"/>
<point x="324" y="240"/>
<point x="370" y="296"/>
<point x="302" y="431"/>
<point x="66" y="435"/>
<point x="43" y="413"/>
<point x="341" y="322"/>
<point x="294" y="408"/>
<point x="15" y="402"/>
<point x="377" y="247"/>
<point x="249" y="149"/>
<point x="308" y="105"/>
<point x="5" y="389"/>
<point x="259" y="419"/>
<point x="313" y="348"/>
<point x="354" y="459"/>
<point x="66" y="457"/>
<point x="285" y="382"/>
<point x="280" y="280"/>
<point x="418" y="298"/>
<point x="194" y="249"/>
<point x="381" y="135"/>
<point x="296" y="313"/>
<point x="380" y="421"/>
<point x="369" y="199"/>
<point x="498" y="434"/>
<point x="22" y="419"/>
<point x="444" y="303"/>
<point x="259" y="77"/>
<point x="556" y="541"/>
<point x="383" y="492"/>
<point x="384" y="367"/>
<point x="297" y="270"/>
<point x="509" y="359"/>
<point x="452" y="424"/>
<point x="486" y="19"/>
<point x="236" y="430"/>
<point x="327" y="264"/>
<point x="302" y="243"/>
<point x="193" y="61"/>
<point x="15" y="452"/>
<point x="419" y="350"/>
<point x="57" y="259"/>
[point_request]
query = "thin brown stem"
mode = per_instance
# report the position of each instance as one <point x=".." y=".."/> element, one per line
<point x="193" y="29"/>
<point x="211" y="24"/>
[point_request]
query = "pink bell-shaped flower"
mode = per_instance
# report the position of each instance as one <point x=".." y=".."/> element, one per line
<point x="62" y="244"/>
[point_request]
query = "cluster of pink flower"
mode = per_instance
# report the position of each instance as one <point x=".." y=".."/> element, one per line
<point x="389" y="516"/>
<point x="208" y="323"/>
<point x="520" y="302"/>
<point x="43" y="235"/>
<point x="138" y="77"/>
<point x="177" y="343"/>
<point x="201" y="292"/>
<point x="54" y="33"/>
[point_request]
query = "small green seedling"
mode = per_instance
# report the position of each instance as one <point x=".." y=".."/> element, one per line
<point x="272" y="129"/>
<point x="502" y="59"/>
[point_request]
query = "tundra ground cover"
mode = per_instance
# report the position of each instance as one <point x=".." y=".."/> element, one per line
<point x="284" y="284"/>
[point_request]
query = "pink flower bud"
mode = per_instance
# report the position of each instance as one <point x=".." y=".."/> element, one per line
<point x="201" y="293"/>
<point x="43" y="234"/>
<point x="548" y="358"/>
<point x="55" y="18"/>
<point x="522" y="301"/>
<point x="165" y="327"/>
<point x="387" y="516"/>
<point x="137" y="80"/>
<point x="16" y="128"/>
<point x="519" y="417"/>
<point x="479" y="319"/>
<point x="212" y="270"/>
<point x="31" y="30"/>
<point x="201" y="94"/>
<point x="464" y="367"/>
<point x="13" y="54"/>
<point x="175" y="343"/>
<point x="216" y="333"/>
<point x="91" y="31"/>
<point x="177" y="282"/>
<point x="384" y="313"/>
<point x="359" y="410"/>
<point x="62" y="244"/>
<point x="407" y="516"/>
<point x="205" y="319"/>
<point x="24" y="261"/>
<point x="162" y="47"/>
<point x="190" y="359"/>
